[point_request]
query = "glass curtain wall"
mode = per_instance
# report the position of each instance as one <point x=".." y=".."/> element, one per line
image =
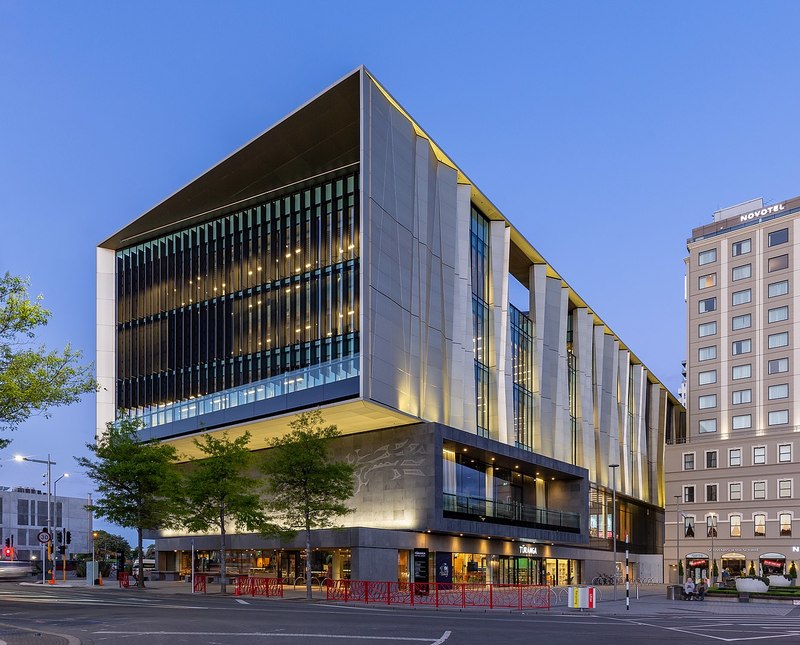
<point x="522" y="377"/>
<point x="479" y="256"/>
<point x="260" y="292"/>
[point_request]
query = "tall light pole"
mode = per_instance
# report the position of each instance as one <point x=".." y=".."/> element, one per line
<point x="55" y="521"/>
<point x="49" y="523"/>
<point x="678" y="538"/>
<point x="613" y="468"/>
<point x="712" y="530"/>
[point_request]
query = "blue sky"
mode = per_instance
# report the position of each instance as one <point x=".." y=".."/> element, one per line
<point x="605" y="131"/>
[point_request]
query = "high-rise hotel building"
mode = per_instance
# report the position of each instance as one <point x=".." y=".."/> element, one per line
<point x="731" y="478"/>
<point x="341" y="260"/>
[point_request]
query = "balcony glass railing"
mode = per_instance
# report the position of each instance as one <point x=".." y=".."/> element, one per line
<point x="286" y="383"/>
<point x="512" y="513"/>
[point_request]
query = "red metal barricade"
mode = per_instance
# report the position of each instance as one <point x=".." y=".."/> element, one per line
<point x="200" y="582"/>
<point x="441" y="594"/>
<point x="124" y="580"/>
<point x="270" y="587"/>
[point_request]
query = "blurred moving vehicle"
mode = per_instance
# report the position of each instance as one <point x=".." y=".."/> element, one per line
<point x="11" y="569"/>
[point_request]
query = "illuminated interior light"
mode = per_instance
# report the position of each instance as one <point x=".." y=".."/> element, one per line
<point x="341" y="315"/>
<point x="350" y="313"/>
<point x="308" y="266"/>
<point x="215" y="288"/>
<point x="288" y="255"/>
<point x="308" y="326"/>
<point x="351" y="247"/>
<point x="297" y="331"/>
<point x="258" y="302"/>
<point x="341" y="250"/>
<point x="223" y="284"/>
<point x="297" y="287"/>
<point x="258" y="269"/>
<point x="249" y="273"/>
<point x="297" y="250"/>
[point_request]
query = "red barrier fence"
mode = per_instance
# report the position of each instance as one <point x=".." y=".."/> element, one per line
<point x="124" y="580"/>
<point x="259" y="586"/>
<point x="440" y="594"/>
<point x="200" y="582"/>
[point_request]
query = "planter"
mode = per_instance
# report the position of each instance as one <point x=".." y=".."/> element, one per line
<point x="779" y="581"/>
<point x="750" y="585"/>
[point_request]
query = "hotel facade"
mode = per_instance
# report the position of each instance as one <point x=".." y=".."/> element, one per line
<point x="342" y="261"/>
<point x="731" y="476"/>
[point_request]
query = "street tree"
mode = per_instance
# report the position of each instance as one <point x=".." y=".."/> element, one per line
<point x="108" y="545"/>
<point x="137" y="482"/>
<point x="33" y="379"/>
<point x="306" y="488"/>
<point x="220" y="491"/>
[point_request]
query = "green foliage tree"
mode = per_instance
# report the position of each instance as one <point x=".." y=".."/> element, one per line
<point x="220" y="491"/>
<point x="793" y="570"/>
<point x="714" y="570"/>
<point x="680" y="570"/>
<point x="33" y="379"/>
<point x="752" y="570"/>
<point x="107" y="545"/>
<point x="137" y="482"/>
<point x="306" y="489"/>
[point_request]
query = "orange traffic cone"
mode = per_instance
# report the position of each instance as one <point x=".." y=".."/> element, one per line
<point x="99" y="578"/>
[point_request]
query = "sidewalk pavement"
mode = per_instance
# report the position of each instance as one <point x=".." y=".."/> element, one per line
<point x="652" y="599"/>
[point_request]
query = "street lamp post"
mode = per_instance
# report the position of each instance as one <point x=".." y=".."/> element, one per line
<point x="613" y="468"/>
<point x="49" y="523"/>
<point x="678" y="538"/>
<point x="55" y="518"/>
<point x="712" y="529"/>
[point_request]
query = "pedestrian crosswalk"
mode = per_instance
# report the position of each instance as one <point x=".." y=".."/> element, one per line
<point x="73" y="596"/>
<point x="725" y="628"/>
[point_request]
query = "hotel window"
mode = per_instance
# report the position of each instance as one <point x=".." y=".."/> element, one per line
<point x="740" y="248"/>
<point x="711" y="523"/>
<point x="759" y="455"/>
<point x="688" y="526"/>
<point x="760" y="490"/>
<point x="707" y="378"/>
<point x="742" y="297"/>
<point x="778" y="418"/>
<point x="688" y="494"/>
<point x="688" y="461"/>
<point x="778" y="391"/>
<point x="785" y="453"/>
<point x="741" y="371"/>
<point x="778" y="288"/>
<point x="778" y="314"/>
<point x="707" y="425"/>
<point x="778" y="365"/>
<point x="778" y="237"/>
<point x="707" y="257"/>
<point x="778" y="263"/>
<point x="706" y="305"/>
<point x="740" y="322"/>
<point x="711" y="492"/>
<point x="735" y="491"/>
<point x="759" y="524"/>
<point x="735" y="457"/>
<point x="707" y="329"/>
<point x="736" y="525"/>
<point x="785" y="488"/>
<point x="706" y="281"/>
<point x="785" y="520"/>
<point x="742" y="396"/>
<point x="742" y="421"/>
<point x="740" y="347"/>
<point x="707" y="401"/>
<point x="711" y="458"/>
<point x="741" y="273"/>
<point x="778" y="340"/>
<point x="707" y="353"/>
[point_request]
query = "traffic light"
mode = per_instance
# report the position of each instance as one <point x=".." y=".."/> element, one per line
<point x="69" y="537"/>
<point x="8" y="551"/>
<point x="8" y="542"/>
<point x="58" y="536"/>
<point x="62" y="549"/>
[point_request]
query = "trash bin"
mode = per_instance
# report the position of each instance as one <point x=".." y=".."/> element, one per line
<point x="674" y="592"/>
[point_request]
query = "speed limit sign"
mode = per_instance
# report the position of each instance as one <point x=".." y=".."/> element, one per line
<point x="44" y="537"/>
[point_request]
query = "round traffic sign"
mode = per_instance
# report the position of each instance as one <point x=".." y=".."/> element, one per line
<point x="44" y="537"/>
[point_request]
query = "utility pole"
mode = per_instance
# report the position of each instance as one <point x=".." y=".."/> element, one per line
<point x="678" y="538"/>
<point x="613" y="468"/>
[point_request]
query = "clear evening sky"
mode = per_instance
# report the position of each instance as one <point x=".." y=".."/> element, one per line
<point x="605" y="131"/>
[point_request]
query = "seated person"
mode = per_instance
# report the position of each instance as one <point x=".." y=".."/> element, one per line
<point x="688" y="589"/>
<point x="700" y="589"/>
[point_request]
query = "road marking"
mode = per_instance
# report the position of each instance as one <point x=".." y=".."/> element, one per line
<point x="242" y="602"/>
<point x="71" y="640"/>
<point x="438" y="641"/>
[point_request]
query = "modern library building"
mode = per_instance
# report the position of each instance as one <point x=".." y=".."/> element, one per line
<point x="342" y="261"/>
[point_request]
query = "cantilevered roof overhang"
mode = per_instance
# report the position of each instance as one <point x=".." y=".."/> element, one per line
<point x="318" y="138"/>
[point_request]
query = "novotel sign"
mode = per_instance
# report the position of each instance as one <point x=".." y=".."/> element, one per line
<point x="761" y="212"/>
<point x="524" y="549"/>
